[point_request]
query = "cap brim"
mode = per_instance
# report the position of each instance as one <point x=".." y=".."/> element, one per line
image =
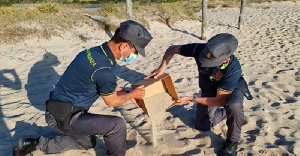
<point x="205" y="62"/>
<point x="140" y="51"/>
<point x="209" y="63"/>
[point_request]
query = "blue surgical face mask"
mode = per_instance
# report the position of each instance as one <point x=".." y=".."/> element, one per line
<point x="131" y="57"/>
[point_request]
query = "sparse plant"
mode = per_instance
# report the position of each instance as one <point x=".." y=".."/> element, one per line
<point x="6" y="11"/>
<point x="50" y="18"/>
<point x="48" y="7"/>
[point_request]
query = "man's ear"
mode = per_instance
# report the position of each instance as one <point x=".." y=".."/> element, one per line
<point x="123" y="46"/>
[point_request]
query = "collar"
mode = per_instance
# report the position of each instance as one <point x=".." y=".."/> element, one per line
<point x="108" y="53"/>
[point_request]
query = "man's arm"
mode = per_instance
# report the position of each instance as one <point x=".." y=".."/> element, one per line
<point x="120" y="96"/>
<point x="218" y="101"/>
<point x="170" y="52"/>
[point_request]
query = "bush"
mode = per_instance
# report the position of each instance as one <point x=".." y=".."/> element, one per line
<point x="48" y="7"/>
<point x="6" y="11"/>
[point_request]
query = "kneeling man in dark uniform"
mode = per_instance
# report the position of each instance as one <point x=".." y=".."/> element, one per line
<point x="221" y="83"/>
<point x="89" y="76"/>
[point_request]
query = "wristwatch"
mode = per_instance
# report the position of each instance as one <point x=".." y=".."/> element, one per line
<point x="125" y="89"/>
<point x="194" y="99"/>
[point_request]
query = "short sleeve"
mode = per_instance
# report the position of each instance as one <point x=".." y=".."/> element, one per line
<point x="230" y="81"/>
<point x="106" y="81"/>
<point x="191" y="50"/>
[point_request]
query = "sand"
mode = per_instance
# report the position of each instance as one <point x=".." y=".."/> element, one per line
<point x="156" y="106"/>
<point x="268" y="51"/>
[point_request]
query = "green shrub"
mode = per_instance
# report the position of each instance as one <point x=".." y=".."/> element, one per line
<point x="6" y="11"/>
<point x="48" y="7"/>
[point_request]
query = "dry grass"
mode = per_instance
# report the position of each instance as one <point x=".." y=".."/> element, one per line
<point x="43" y="20"/>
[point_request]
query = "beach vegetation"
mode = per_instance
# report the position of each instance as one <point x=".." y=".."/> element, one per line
<point x="22" y="19"/>
<point x="48" y="7"/>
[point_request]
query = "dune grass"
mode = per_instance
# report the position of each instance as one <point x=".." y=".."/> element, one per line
<point x="42" y="20"/>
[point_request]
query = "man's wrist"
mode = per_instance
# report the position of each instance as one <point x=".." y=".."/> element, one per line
<point x="163" y="65"/>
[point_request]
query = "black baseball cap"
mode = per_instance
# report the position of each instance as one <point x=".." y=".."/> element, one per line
<point x="218" y="48"/>
<point x="137" y="34"/>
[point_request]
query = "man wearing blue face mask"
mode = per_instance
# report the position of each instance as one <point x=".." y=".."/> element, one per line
<point x="89" y="76"/>
<point x="130" y="58"/>
<point x="222" y="86"/>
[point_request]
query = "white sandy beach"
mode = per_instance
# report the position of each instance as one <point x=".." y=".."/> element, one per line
<point x="268" y="51"/>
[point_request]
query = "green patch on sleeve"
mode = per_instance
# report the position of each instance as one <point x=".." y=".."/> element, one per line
<point x="229" y="91"/>
<point x="106" y="94"/>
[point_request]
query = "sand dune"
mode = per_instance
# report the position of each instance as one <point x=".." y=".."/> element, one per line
<point x="268" y="51"/>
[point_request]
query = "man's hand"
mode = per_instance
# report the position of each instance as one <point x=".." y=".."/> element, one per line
<point x="170" y="52"/>
<point x="184" y="100"/>
<point x="156" y="73"/>
<point x="138" y="92"/>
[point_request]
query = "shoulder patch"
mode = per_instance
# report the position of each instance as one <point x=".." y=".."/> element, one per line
<point x="218" y="75"/>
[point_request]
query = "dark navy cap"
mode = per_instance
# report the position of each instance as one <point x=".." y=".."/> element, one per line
<point x="137" y="34"/>
<point x="218" y="48"/>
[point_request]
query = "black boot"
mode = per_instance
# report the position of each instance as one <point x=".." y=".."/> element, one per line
<point x="25" y="146"/>
<point x="229" y="148"/>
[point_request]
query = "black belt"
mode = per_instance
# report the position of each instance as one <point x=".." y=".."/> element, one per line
<point x="63" y="112"/>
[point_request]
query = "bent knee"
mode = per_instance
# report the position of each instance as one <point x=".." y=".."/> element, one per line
<point x="234" y="106"/>
<point x="119" y="124"/>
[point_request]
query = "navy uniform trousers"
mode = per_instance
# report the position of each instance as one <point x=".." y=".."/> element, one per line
<point x="83" y="128"/>
<point x="209" y="116"/>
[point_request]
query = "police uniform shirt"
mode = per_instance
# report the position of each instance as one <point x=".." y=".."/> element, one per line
<point x="224" y="77"/>
<point x="88" y="75"/>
